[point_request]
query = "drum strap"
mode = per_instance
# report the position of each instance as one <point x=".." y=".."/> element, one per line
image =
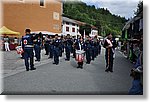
<point x="80" y="46"/>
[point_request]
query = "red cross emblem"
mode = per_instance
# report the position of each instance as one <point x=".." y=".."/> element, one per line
<point x="25" y="42"/>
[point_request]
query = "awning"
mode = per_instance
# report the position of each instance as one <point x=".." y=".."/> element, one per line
<point x="46" y="32"/>
<point x="71" y="34"/>
<point x="4" y="30"/>
<point x="130" y="21"/>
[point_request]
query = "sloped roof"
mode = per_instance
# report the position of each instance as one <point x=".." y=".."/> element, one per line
<point x="131" y="21"/>
<point x="80" y="23"/>
<point x="66" y="19"/>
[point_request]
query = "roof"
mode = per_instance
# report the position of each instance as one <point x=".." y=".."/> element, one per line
<point x="131" y="21"/>
<point x="80" y="23"/>
<point x="69" y="20"/>
<point x="66" y="19"/>
<point x="93" y="27"/>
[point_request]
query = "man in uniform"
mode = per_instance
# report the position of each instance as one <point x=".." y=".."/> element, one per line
<point x="46" y="45"/>
<point x="93" y="50"/>
<point x="56" y="44"/>
<point x="99" y="47"/>
<point x="27" y="44"/>
<point x="109" y="53"/>
<point x="74" y="46"/>
<point x="95" y="46"/>
<point x="61" y="46"/>
<point x="68" y="46"/>
<point x="88" y="50"/>
<point x="51" y="47"/>
<point x="38" y="46"/>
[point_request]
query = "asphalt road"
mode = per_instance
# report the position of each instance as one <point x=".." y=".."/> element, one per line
<point x="65" y="78"/>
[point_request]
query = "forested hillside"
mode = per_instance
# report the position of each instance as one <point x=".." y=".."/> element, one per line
<point x="99" y="17"/>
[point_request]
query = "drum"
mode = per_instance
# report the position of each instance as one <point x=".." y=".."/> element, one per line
<point x="19" y="50"/>
<point x="80" y="55"/>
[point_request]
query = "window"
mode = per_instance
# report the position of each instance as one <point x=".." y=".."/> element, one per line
<point x="41" y="2"/>
<point x="73" y="29"/>
<point x="67" y="29"/>
<point x="73" y="24"/>
<point x="67" y="23"/>
<point x="77" y="30"/>
<point x="56" y="26"/>
<point x="55" y="15"/>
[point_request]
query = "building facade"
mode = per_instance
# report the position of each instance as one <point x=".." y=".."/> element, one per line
<point x="38" y="15"/>
<point x="70" y="26"/>
<point x="94" y="31"/>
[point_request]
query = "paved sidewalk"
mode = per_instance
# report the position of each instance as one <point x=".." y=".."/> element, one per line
<point x="12" y="62"/>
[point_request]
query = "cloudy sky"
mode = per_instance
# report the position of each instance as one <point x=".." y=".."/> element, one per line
<point x="124" y="8"/>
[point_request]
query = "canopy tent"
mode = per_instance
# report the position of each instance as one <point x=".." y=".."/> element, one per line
<point x="5" y="31"/>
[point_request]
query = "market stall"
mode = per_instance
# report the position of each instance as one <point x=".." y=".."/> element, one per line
<point x="4" y="31"/>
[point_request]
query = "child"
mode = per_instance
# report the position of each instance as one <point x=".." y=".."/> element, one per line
<point x="137" y="87"/>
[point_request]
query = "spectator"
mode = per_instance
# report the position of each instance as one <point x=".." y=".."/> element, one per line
<point x="16" y="41"/>
<point x="137" y="87"/>
<point x="6" y="43"/>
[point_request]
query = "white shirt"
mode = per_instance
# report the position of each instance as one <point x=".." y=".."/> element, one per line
<point x="80" y="46"/>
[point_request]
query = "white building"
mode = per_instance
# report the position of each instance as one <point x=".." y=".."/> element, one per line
<point x="94" y="31"/>
<point x="70" y="26"/>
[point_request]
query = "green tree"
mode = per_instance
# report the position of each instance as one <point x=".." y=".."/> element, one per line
<point x="100" y="17"/>
<point x="139" y="8"/>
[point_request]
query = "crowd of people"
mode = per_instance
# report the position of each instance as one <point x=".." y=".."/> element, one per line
<point x="8" y="43"/>
<point x="133" y="49"/>
<point x="55" y="46"/>
<point x="80" y="47"/>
